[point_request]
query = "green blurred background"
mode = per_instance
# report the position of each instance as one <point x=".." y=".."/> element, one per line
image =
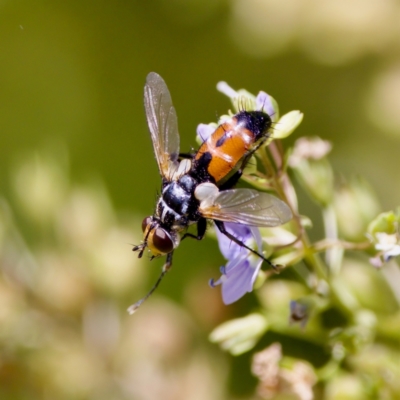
<point x="77" y="172"/>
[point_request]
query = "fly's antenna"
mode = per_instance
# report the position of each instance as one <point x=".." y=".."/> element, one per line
<point x="140" y="247"/>
<point x="167" y="266"/>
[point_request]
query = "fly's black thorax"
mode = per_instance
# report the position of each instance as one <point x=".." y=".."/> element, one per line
<point x="177" y="207"/>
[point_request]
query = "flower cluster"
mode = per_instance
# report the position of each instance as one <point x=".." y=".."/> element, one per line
<point x="336" y="283"/>
<point x="384" y="233"/>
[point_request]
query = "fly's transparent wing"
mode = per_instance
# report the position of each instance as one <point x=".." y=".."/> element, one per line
<point x="247" y="207"/>
<point x="163" y="124"/>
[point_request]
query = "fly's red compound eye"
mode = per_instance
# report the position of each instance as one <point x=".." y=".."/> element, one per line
<point x="162" y="241"/>
<point x="146" y="222"/>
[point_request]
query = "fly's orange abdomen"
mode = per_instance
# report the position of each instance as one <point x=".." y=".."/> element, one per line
<point x="230" y="144"/>
<point x="226" y="146"/>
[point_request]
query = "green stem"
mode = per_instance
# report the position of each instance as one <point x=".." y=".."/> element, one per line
<point x="312" y="260"/>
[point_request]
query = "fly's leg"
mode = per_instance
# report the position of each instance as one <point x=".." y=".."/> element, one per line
<point x="201" y="230"/>
<point x="166" y="267"/>
<point x="220" y="225"/>
<point x="232" y="181"/>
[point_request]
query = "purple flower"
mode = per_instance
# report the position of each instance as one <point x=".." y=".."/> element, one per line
<point x="204" y="131"/>
<point x="242" y="99"/>
<point x="242" y="268"/>
<point x="264" y="103"/>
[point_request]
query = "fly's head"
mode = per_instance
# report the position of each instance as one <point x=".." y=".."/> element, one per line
<point x="158" y="239"/>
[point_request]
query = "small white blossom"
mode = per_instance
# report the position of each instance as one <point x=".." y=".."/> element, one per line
<point x="309" y="148"/>
<point x="389" y="245"/>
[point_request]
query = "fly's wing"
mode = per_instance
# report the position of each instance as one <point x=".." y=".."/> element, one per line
<point x="163" y="124"/>
<point x="247" y="207"/>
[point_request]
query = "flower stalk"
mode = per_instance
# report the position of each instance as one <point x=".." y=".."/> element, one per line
<point x="351" y="222"/>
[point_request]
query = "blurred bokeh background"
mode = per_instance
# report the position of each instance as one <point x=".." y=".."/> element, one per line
<point x="77" y="174"/>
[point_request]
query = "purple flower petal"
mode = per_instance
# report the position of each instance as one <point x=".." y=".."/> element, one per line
<point x="228" y="248"/>
<point x="264" y="103"/>
<point x="242" y="268"/>
<point x="240" y="277"/>
<point x="257" y="236"/>
<point x="204" y="131"/>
